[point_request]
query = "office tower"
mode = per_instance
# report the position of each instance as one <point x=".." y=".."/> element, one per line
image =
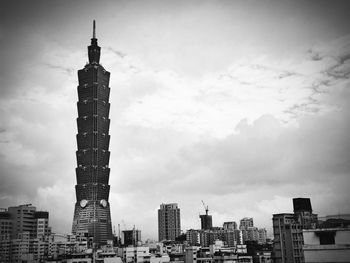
<point x="131" y="237"/>
<point x="92" y="209"/>
<point x="23" y="220"/>
<point x="206" y="222"/>
<point x="192" y="237"/>
<point x="303" y="213"/>
<point x="42" y="223"/>
<point x="246" y="222"/>
<point x="287" y="240"/>
<point x="5" y="236"/>
<point x="25" y="233"/>
<point x="169" y="225"/>
<point x="262" y="236"/>
<point x="246" y="225"/>
<point x="5" y="224"/>
<point x="230" y="225"/>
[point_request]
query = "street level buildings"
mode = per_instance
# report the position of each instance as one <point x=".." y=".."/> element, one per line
<point x="169" y="223"/>
<point x="92" y="210"/>
<point x="23" y="233"/>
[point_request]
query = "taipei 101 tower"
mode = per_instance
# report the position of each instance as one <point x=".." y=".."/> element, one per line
<point x="92" y="216"/>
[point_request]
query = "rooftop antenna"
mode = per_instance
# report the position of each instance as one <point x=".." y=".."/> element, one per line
<point x="94" y="29"/>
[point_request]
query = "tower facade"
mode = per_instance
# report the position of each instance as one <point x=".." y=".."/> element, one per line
<point x="206" y="222"/>
<point x="169" y="225"/>
<point x="303" y="212"/>
<point x="92" y="210"/>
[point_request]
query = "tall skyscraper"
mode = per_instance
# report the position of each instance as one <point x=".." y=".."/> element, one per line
<point x="92" y="210"/>
<point x="169" y="225"/>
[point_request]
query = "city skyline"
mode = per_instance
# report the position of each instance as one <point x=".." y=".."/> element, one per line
<point x="244" y="105"/>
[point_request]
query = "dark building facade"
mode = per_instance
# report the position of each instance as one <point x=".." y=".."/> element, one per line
<point x="131" y="237"/>
<point x="169" y="224"/>
<point x="92" y="210"/>
<point x="206" y="222"/>
<point x="303" y="212"/>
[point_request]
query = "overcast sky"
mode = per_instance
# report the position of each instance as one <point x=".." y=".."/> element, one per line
<point x="242" y="104"/>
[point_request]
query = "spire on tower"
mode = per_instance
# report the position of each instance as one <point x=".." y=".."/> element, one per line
<point x="94" y="29"/>
<point x="94" y="49"/>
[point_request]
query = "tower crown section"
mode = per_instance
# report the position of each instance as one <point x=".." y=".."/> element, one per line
<point x="94" y="50"/>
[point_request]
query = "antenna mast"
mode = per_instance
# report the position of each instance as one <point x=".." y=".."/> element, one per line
<point x="94" y="30"/>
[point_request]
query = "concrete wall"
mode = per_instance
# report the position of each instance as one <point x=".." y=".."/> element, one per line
<point x="316" y="253"/>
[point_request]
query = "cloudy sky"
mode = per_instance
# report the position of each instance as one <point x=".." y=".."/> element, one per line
<point x="242" y="104"/>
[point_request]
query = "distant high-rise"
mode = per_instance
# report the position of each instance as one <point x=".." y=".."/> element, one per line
<point x="245" y="223"/>
<point x="131" y="237"/>
<point x="232" y="225"/>
<point x="5" y="236"/>
<point x="5" y="223"/>
<point x="23" y="220"/>
<point x="169" y="225"/>
<point x="22" y="232"/>
<point x="42" y="223"/>
<point x="206" y="222"/>
<point x="92" y="210"/>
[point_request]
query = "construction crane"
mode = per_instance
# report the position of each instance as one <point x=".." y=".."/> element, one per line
<point x="205" y="207"/>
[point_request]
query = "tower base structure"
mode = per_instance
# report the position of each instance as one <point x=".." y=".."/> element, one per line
<point x="93" y="221"/>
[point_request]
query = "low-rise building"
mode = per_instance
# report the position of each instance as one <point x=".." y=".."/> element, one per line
<point x="134" y="254"/>
<point x="326" y="245"/>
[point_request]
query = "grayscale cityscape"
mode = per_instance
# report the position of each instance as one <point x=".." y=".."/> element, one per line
<point x="186" y="132"/>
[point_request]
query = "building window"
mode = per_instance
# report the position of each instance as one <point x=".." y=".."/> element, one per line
<point x="327" y="238"/>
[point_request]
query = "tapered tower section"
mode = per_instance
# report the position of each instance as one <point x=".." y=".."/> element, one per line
<point x="92" y="210"/>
